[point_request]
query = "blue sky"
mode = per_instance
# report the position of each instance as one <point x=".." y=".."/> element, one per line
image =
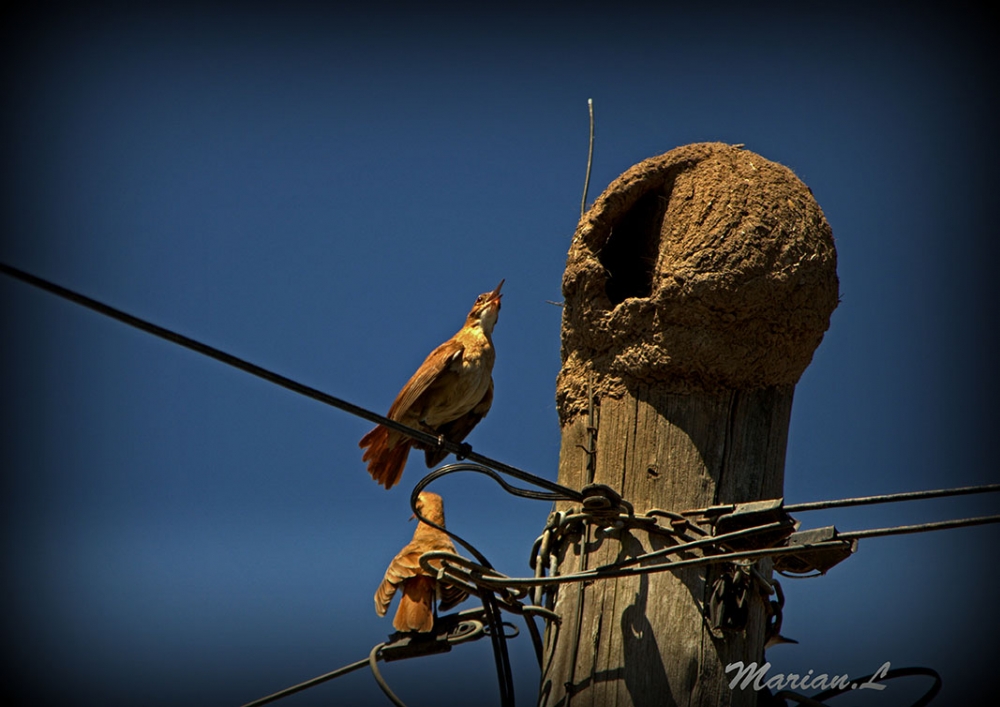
<point x="324" y="194"/>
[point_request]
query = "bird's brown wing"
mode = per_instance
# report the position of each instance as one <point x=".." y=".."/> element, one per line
<point x="386" y="450"/>
<point x="458" y="429"/>
<point x="436" y="363"/>
<point x="403" y="566"/>
<point x="415" y="612"/>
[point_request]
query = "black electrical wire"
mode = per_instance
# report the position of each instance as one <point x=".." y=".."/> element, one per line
<point x="564" y="494"/>
<point x="461" y="450"/>
<point x="496" y="581"/>
<point x="312" y="682"/>
<point x="557" y="492"/>
<point x="890" y="498"/>
<point x="377" y="674"/>
<point x="505" y="676"/>
<point x="920" y="528"/>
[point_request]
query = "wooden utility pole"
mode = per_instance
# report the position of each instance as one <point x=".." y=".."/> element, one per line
<point x="696" y="290"/>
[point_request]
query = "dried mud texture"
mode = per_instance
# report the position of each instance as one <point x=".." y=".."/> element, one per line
<point x="704" y="269"/>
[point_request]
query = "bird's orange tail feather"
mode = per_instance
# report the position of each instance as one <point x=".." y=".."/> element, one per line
<point x="415" y="612"/>
<point x="385" y="463"/>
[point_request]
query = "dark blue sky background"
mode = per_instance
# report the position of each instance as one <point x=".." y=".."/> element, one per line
<point x="324" y="194"/>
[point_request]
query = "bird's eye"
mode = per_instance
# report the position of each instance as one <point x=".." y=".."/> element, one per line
<point x="480" y="298"/>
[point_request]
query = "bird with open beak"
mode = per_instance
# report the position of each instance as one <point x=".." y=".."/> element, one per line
<point x="447" y="396"/>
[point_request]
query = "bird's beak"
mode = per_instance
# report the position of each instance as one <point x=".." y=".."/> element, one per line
<point x="495" y="294"/>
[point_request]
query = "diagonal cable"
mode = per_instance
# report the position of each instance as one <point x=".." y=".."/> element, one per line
<point x="461" y="450"/>
<point x="890" y="498"/>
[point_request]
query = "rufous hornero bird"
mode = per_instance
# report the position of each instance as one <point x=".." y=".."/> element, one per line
<point x="419" y="590"/>
<point x="447" y="396"/>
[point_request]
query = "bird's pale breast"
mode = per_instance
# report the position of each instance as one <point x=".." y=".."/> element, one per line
<point x="462" y="386"/>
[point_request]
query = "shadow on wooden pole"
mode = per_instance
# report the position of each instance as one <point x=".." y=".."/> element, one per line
<point x="696" y="290"/>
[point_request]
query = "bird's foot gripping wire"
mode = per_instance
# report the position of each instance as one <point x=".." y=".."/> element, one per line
<point x="464" y="450"/>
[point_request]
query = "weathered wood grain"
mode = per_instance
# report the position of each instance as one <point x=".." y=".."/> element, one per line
<point x="643" y="640"/>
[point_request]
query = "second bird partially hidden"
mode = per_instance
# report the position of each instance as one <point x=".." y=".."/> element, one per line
<point x="447" y="396"/>
<point x="416" y="606"/>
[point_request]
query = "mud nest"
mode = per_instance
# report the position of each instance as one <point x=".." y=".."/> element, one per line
<point x="703" y="269"/>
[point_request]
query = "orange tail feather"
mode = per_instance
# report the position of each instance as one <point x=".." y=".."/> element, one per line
<point x="385" y="463"/>
<point x="415" y="612"/>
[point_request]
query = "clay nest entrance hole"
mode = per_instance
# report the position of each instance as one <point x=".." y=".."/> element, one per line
<point x="702" y="269"/>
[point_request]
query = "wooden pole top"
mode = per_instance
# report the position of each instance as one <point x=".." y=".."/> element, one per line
<point x="703" y="269"/>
